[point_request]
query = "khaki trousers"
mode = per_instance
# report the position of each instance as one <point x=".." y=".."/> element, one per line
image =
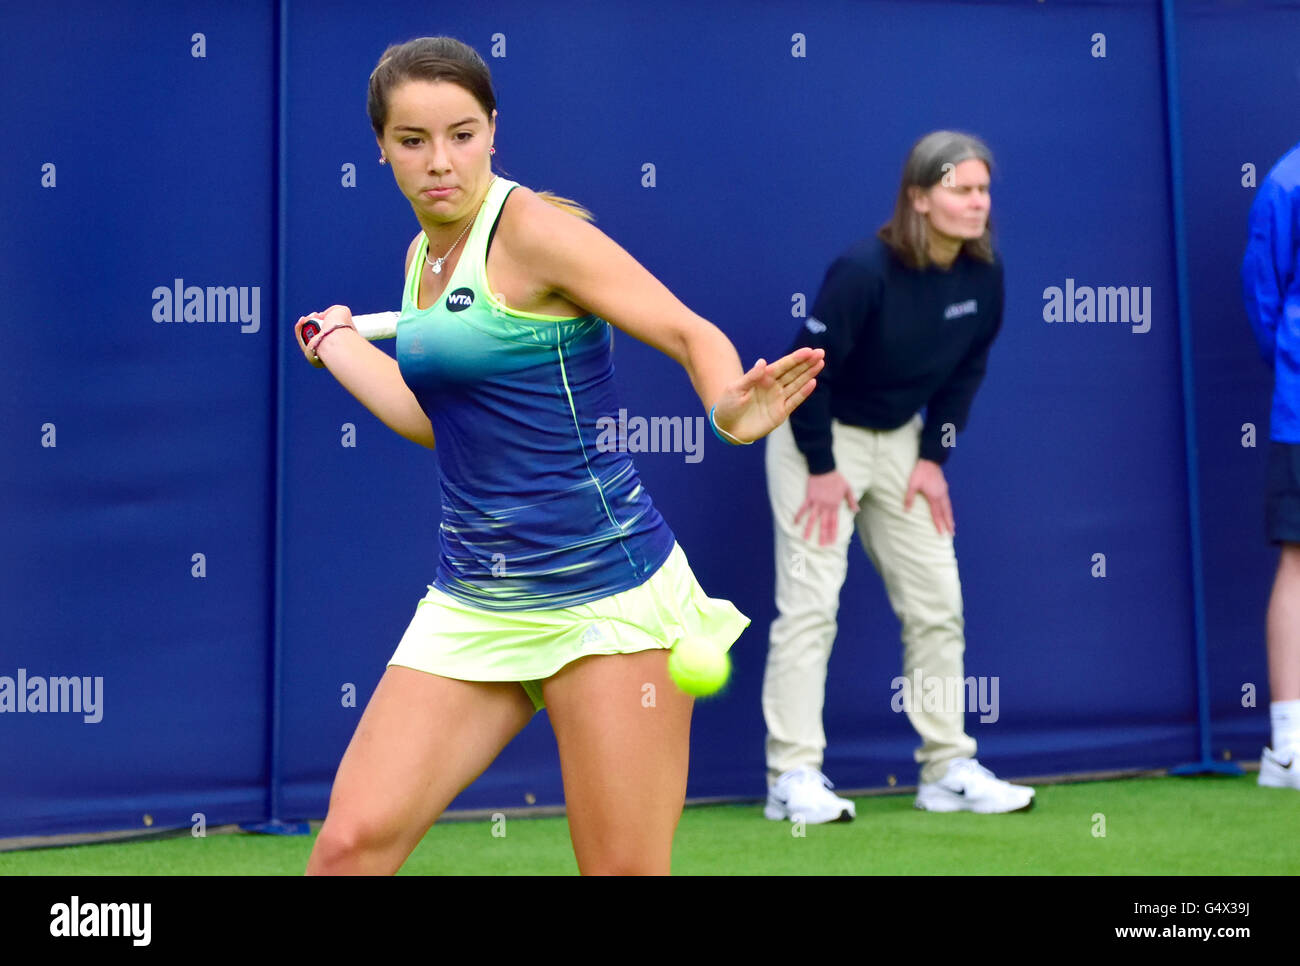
<point x="917" y="564"/>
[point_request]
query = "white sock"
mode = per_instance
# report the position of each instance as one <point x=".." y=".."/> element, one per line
<point x="1285" y="716"/>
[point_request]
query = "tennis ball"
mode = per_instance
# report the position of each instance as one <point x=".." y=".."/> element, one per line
<point x="698" y="667"/>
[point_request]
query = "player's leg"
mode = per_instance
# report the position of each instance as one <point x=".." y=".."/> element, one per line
<point x="623" y="731"/>
<point x="422" y="739"/>
<point x="919" y="567"/>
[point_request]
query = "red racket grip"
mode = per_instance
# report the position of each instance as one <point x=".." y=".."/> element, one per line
<point x="310" y="329"/>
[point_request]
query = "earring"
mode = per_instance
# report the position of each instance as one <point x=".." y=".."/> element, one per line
<point x="492" y="150"/>
<point x="382" y="159"/>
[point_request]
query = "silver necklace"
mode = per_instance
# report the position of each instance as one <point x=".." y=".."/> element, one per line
<point x="436" y="264"/>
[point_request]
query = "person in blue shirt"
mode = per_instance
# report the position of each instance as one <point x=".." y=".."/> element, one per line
<point x="1270" y="277"/>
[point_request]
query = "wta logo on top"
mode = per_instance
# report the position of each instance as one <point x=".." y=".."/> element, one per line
<point x="1126" y="305"/>
<point x="179" y="302"/>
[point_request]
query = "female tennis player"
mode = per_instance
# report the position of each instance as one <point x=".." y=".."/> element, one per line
<point x="558" y="582"/>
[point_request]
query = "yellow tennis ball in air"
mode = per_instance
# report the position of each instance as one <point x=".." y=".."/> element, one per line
<point x="698" y="667"/>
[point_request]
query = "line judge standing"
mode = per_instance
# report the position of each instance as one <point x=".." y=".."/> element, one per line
<point x="906" y="319"/>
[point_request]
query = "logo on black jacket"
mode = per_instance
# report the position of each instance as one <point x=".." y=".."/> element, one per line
<point x="958" y="309"/>
<point x="460" y="300"/>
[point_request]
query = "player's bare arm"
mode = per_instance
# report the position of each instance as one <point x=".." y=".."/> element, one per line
<point x="565" y="256"/>
<point x="372" y="375"/>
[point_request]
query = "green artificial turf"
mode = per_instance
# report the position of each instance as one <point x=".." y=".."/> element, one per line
<point x="1153" y="826"/>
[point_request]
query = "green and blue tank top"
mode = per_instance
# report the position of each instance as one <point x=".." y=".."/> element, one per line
<point x="534" y="514"/>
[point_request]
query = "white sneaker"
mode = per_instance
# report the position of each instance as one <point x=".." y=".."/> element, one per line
<point x="968" y="786"/>
<point x="803" y="795"/>
<point x="1275" y="773"/>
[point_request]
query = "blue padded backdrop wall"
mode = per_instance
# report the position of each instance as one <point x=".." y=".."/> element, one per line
<point x="777" y="133"/>
<point x="137" y="473"/>
<point x="1241" y="98"/>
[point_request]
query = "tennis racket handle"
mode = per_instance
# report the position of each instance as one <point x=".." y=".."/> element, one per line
<point x="372" y="327"/>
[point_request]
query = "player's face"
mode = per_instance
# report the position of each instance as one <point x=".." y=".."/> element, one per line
<point x="958" y="206"/>
<point x="437" y="140"/>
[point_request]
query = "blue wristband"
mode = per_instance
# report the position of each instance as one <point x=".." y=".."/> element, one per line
<point x="723" y="435"/>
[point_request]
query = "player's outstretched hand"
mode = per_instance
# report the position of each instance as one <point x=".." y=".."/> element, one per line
<point x="334" y="315"/>
<point x="761" y="399"/>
